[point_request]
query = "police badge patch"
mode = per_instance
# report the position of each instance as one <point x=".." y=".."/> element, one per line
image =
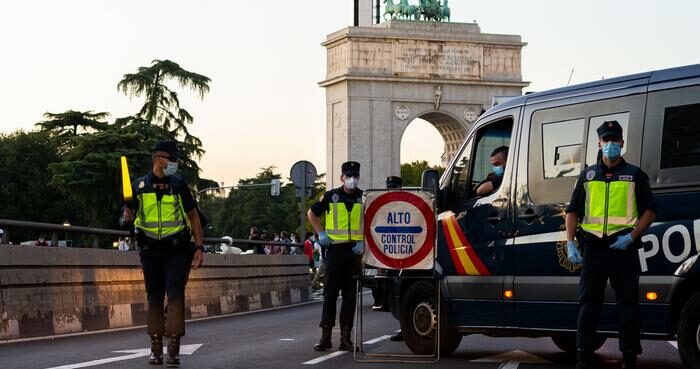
<point x="335" y="197"/>
<point x="590" y="175"/>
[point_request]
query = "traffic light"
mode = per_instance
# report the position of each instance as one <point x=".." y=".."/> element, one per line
<point x="275" y="187"/>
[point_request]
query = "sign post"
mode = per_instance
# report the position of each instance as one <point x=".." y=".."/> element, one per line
<point x="303" y="176"/>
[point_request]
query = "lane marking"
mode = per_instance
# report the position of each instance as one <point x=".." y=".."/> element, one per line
<point x="509" y="365"/>
<point x="375" y="340"/>
<point x="132" y="354"/>
<point x="674" y="344"/>
<point x="324" y="358"/>
<point x="286" y="339"/>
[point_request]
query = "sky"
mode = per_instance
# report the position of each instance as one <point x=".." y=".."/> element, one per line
<point x="265" y="61"/>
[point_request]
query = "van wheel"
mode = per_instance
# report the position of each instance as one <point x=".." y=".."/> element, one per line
<point x="689" y="333"/>
<point x="419" y="322"/>
<point x="568" y="343"/>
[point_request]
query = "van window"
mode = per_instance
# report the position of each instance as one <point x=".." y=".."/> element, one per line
<point x="680" y="145"/>
<point x="562" y="147"/>
<point x="473" y="167"/>
<point x="459" y="178"/>
<point x="594" y="123"/>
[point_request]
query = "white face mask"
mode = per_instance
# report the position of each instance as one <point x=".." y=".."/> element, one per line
<point x="351" y="182"/>
<point x="170" y="169"/>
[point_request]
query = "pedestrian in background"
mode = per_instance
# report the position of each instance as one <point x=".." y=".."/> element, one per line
<point x="611" y="206"/>
<point x="309" y="252"/>
<point x="343" y="236"/>
<point x="166" y="219"/>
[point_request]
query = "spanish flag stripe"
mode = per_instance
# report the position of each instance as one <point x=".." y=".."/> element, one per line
<point x="451" y="246"/>
<point x="460" y="257"/>
<point x="473" y="257"/>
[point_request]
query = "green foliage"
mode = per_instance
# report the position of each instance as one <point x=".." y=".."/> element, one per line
<point x="253" y="206"/>
<point x="24" y="175"/>
<point x="162" y="106"/>
<point x="411" y="172"/>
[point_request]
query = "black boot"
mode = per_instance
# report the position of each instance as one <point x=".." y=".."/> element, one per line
<point x="173" y="359"/>
<point x="584" y="359"/>
<point x="156" y="357"/>
<point x="325" y="342"/>
<point x="345" y="341"/>
<point x="629" y="360"/>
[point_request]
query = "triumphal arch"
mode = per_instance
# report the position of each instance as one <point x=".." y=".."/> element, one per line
<point x="380" y="78"/>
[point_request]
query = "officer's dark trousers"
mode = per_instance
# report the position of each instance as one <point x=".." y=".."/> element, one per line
<point x="166" y="266"/>
<point x="342" y="268"/>
<point x="622" y="268"/>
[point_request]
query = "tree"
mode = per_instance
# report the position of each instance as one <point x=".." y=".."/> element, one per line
<point x="411" y="173"/>
<point x="61" y="127"/>
<point x="24" y="175"/>
<point x="162" y="106"/>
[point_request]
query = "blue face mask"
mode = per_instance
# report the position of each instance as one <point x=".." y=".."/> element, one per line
<point x="498" y="171"/>
<point x="611" y="150"/>
<point x="170" y="169"/>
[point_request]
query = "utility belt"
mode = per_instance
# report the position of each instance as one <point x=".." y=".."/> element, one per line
<point x="343" y="246"/>
<point x="178" y="240"/>
<point x="590" y="240"/>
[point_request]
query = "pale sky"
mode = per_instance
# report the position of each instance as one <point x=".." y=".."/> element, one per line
<point x="265" y="60"/>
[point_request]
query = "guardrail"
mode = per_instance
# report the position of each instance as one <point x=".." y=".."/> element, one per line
<point x="8" y="224"/>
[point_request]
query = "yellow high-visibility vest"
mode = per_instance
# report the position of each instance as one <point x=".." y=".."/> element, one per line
<point x="610" y="207"/>
<point x="343" y="225"/>
<point x="160" y="219"/>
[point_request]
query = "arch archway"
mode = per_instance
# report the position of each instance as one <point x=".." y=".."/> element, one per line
<point x="380" y="78"/>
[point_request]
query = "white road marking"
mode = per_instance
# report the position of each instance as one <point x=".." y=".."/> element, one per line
<point x="133" y="354"/>
<point x="324" y="358"/>
<point x="509" y="365"/>
<point x="286" y="339"/>
<point x="674" y="344"/>
<point x="375" y="340"/>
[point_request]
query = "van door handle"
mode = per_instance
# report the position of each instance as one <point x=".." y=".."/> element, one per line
<point x="494" y="219"/>
<point x="527" y="216"/>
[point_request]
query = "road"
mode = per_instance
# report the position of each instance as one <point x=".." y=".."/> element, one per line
<point x="283" y="339"/>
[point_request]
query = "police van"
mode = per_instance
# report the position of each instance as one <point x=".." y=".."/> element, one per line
<point x="501" y="262"/>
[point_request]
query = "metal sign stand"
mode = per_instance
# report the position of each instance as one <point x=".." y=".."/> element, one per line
<point x="363" y="357"/>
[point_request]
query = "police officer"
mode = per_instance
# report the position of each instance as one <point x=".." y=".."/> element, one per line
<point x="611" y="206"/>
<point x="166" y="218"/>
<point x="343" y="239"/>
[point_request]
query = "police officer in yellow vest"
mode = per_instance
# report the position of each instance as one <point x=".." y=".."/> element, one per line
<point x="166" y="219"/>
<point x="611" y="206"/>
<point x="343" y="240"/>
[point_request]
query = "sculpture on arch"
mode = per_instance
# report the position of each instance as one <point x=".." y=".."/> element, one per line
<point x="427" y="10"/>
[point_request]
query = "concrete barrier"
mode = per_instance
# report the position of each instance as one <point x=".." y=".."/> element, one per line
<point x="46" y="291"/>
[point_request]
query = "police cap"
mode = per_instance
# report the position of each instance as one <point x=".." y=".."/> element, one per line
<point x="169" y="147"/>
<point x="393" y="182"/>
<point x="610" y="128"/>
<point x="351" y="169"/>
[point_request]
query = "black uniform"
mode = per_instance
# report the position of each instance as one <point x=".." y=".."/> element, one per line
<point x="166" y="263"/>
<point x="342" y="265"/>
<point x="600" y="262"/>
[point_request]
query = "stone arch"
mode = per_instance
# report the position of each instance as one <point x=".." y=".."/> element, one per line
<point x="380" y="78"/>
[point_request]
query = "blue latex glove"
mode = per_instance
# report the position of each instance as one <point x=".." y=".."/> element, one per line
<point x="572" y="251"/>
<point x="323" y="239"/>
<point x="622" y="242"/>
<point x="359" y="248"/>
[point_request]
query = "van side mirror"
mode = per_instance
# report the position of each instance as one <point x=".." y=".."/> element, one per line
<point x="430" y="181"/>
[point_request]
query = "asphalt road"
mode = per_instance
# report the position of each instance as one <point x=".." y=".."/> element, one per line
<point x="284" y="338"/>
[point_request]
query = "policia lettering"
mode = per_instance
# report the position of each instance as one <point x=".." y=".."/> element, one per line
<point x="342" y="240"/>
<point x="608" y="199"/>
<point x="166" y="218"/>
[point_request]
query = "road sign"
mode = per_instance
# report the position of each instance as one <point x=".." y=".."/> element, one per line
<point x="399" y="229"/>
<point x="303" y="174"/>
